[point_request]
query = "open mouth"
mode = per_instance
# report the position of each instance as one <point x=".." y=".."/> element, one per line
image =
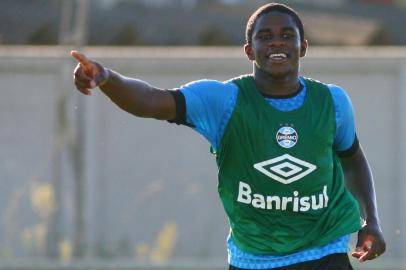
<point x="278" y="56"/>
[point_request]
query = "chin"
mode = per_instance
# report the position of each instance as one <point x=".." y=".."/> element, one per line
<point x="276" y="73"/>
<point x="279" y="74"/>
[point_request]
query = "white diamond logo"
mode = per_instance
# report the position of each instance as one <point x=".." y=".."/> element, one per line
<point x="285" y="169"/>
<point x="281" y="169"/>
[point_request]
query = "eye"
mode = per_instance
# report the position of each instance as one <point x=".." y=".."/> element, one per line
<point x="288" y="35"/>
<point x="264" y="36"/>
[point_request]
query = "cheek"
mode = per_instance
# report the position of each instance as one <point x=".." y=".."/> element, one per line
<point x="258" y="53"/>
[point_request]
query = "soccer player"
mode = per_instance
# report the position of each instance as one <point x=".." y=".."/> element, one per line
<point x="293" y="178"/>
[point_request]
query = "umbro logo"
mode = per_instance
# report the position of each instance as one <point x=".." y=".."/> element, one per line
<point x="285" y="169"/>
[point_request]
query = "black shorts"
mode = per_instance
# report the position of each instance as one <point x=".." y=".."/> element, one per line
<point x="338" y="261"/>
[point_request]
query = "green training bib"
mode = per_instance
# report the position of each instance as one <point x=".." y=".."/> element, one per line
<point x="280" y="181"/>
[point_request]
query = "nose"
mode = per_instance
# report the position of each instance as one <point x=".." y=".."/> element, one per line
<point x="276" y="41"/>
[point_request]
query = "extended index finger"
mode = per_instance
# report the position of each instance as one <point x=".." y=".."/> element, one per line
<point x="81" y="58"/>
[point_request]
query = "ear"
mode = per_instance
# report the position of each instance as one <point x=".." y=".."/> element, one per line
<point x="303" y="47"/>
<point x="249" y="52"/>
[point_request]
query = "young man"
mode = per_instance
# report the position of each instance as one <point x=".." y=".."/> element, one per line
<point x="283" y="144"/>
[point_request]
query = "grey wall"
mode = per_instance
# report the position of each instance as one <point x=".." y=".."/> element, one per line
<point x="149" y="187"/>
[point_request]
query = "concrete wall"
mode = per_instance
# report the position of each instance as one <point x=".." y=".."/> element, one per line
<point x="146" y="189"/>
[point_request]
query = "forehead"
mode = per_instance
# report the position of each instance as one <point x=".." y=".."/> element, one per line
<point x="275" y="20"/>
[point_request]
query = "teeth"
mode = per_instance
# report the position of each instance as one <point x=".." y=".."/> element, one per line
<point x="278" y="55"/>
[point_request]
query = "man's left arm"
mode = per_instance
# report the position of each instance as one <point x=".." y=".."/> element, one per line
<point x="358" y="176"/>
<point x="359" y="181"/>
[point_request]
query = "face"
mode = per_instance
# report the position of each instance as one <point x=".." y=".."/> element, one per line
<point x="276" y="47"/>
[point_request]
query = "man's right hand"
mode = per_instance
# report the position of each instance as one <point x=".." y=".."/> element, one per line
<point x="88" y="74"/>
<point x="132" y="95"/>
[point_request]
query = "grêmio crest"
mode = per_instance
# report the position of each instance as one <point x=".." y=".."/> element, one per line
<point x="286" y="137"/>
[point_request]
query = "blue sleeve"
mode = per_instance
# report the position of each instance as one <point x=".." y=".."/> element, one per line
<point x="209" y="105"/>
<point x="345" y="124"/>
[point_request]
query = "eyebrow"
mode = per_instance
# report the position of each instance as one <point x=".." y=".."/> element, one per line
<point x="284" y="29"/>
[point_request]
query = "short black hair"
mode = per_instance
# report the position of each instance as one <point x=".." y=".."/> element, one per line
<point x="268" y="8"/>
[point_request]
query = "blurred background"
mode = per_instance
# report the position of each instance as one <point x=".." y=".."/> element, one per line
<point x="84" y="185"/>
<point x="191" y="22"/>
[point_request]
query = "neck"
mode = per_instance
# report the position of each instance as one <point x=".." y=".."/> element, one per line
<point x="276" y="86"/>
